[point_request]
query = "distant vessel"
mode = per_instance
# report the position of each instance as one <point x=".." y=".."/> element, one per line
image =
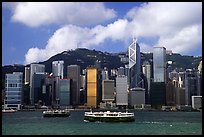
<point x="109" y="116"/>
<point x="8" y="110"/>
<point x="56" y="113"/>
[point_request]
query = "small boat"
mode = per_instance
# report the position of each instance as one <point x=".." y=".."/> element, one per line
<point x="56" y="113"/>
<point x="109" y="116"/>
<point x="8" y="110"/>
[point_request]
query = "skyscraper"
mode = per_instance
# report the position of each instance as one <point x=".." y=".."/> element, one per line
<point x="134" y="64"/>
<point x="146" y="70"/>
<point x="27" y="75"/>
<point x="37" y="87"/>
<point x="73" y="72"/>
<point x="13" y="93"/>
<point x="58" y="68"/>
<point x="108" y="90"/>
<point x="64" y="92"/>
<point x="159" y="61"/>
<point x="92" y="92"/>
<point x="33" y="69"/>
<point x="191" y="86"/>
<point x="121" y="91"/>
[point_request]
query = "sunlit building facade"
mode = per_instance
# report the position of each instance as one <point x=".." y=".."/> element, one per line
<point x="159" y="61"/>
<point x="58" y="69"/>
<point x="34" y="68"/>
<point x="92" y="87"/>
<point x="13" y="90"/>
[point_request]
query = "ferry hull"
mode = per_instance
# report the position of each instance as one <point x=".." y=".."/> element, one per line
<point x="109" y="119"/>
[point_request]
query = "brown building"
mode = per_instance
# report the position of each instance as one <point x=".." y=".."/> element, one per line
<point x="92" y="87"/>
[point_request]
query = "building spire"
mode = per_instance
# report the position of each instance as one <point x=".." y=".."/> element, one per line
<point x="134" y="38"/>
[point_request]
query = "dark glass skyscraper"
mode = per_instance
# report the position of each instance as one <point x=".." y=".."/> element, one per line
<point x="73" y="72"/>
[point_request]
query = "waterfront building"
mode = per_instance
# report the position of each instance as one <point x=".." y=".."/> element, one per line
<point x="27" y="75"/>
<point x="146" y="70"/>
<point x="180" y="96"/>
<point x="157" y="94"/>
<point x="171" y="93"/>
<point x="137" y="97"/>
<point x="64" y="92"/>
<point x="92" y="91"/>
<point x="191" y="88"/>
<point x="58" y="69"/>
<point x="108" y="90"/>
<point x="34" y="68"/>
<point x="73" y="72"/>
<point x="134" y="65"/>
<point x="196" y="102"/>
<point x="121" y="91"/>
<point x="37" y="84"/>
<point x="159" y="61"/>
<point x="13" y="90"/>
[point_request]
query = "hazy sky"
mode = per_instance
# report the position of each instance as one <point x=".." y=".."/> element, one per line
<point x="33" y="32"/>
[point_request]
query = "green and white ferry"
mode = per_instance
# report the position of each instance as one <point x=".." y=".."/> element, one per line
<point x="109" y="116"/>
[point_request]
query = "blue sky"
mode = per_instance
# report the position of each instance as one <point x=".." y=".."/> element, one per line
<point x="33" y="32"/>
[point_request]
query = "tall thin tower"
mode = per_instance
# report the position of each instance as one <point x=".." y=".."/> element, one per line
<point x="134" y="64"/>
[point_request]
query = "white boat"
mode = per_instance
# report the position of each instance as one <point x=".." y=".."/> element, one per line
<point x="8" y="110"/>
<point x="109" y="116"/>
<point x="56" y="113"/>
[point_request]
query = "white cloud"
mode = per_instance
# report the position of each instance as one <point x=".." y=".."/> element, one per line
<point x="71" y="37"/>
<point x="176" y="25"/>
<point x="34" y="14"/>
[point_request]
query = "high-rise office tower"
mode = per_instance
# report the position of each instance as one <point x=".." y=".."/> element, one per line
<point x="37" y="87"/>
<point x="64" y="92"/>
<point x="134" y="64"/>
<point x="146" y="70"/>
<point x="73" y="72"/>
<point x="92" y="91"/>
<point x="108" y="90"/>
<point x="159" y="61"/>
<point x="121" y="91"/>
<point x="191" y="88"/>
<point x="13" y="93"/>
<point x="27" y="75"/>
<point x="33" y="69"/>
<point x="58" y="68"/>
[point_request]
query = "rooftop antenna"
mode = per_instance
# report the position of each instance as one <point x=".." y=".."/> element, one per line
<point x="134" y="38"/>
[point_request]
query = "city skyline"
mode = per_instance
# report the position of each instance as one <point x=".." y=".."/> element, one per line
<point x="26" y="40"/>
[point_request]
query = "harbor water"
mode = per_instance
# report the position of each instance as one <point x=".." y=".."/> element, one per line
<point x="146" y="123"/>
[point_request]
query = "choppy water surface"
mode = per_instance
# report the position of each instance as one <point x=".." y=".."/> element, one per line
<point x="146" y="123"/>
